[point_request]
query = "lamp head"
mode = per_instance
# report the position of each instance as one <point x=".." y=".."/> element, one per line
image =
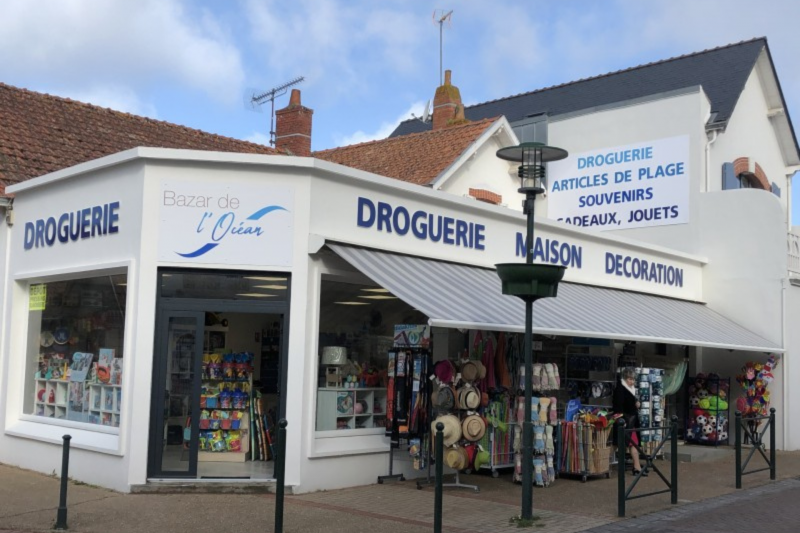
<point x="532" y="157"/>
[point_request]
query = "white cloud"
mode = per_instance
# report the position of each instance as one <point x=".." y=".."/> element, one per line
<point x="133" y="44"/>
<point x="115" y="97"/>
<point x="383" y="130"/>
<point x="258" y="138"/>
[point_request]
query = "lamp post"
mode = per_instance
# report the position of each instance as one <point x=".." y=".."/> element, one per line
<point x="529" y="282"/>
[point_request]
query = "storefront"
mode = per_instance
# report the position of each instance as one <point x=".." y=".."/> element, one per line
<point x="154" y="284"/>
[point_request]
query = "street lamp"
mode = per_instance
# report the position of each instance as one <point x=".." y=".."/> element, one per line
<point x="530" y="282"/>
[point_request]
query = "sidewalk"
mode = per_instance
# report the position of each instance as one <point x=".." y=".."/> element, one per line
<point x="28" y="502"/>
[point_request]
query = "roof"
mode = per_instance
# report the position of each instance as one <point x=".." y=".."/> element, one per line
<point x="41" y="133"/>
<point x="722" y="72"/>
<point x="416" y="158"/>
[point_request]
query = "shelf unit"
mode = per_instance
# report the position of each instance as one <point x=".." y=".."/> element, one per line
<point x="270" y="359"/>
<point x="105" y="402"/>
<point x="336" y="408"/>
<point x="103" y="408"/>
<point x="585" y="367"/>
<point x="56" y="390"/>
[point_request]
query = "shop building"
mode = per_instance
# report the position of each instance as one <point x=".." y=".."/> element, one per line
<point x="153" y="260"/>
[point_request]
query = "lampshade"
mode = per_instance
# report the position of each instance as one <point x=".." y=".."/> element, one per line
<point x="334" y="355"/>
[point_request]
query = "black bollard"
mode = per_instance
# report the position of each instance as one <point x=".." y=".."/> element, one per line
<point x="674" y="465"/>
<point x="737" y="446"/>
<point x="772" y="444"/>
<point x="280" y="474"/>
<point x="437" y="500"/>
<point x="61" y="516"/>
<point x="621" y="445"/>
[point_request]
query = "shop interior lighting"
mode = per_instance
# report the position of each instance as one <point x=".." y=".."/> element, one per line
<point x="266" y="278"/>
<point x="276" y="287"/>
<point x="351" y="303"/>
<point x="375" y="290"/>
<point x="256" y="295"/>
<point x="379" y="297"/>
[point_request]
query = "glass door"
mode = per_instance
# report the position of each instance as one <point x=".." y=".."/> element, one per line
<point x="175" y="430"/>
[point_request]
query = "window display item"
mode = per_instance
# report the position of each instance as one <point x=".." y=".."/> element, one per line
<point x="334" y="355"/>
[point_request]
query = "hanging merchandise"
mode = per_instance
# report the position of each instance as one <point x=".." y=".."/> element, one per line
<point x="754" y="380"/>
<point x="650" y="393"/>
<point x="707" y="417"/>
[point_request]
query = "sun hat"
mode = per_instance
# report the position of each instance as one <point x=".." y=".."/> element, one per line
<point x="473" y="427"/>
<point x="481" y="459"/>
<point x="452" y="429"/>
<point x="456" y="458"/>
<point x="470" y="371"/>
<point x="443" y="398"/>
<point x="444" y="371"/>
<point x="468" y="397"/>
<point x="481" y="369"/>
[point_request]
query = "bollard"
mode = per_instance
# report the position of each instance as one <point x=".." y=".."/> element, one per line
<point x="280" y="474"/>
<point x="61" y="516"/>
<point x="621" y="445"/>
<point x="772" y="444"/>
<point x="674" y="466"/>
<point x="737" y="445"/>
<point x="437" y="500"/>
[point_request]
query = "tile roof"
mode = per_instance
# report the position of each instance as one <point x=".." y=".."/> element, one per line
<point x="722" y="72"/>
<point x="40" y="133"/>
<point x="416" y="158"/>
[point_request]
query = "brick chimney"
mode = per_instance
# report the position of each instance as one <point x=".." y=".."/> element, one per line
<point x="447" y="107"/>
<point x="293" y="127"/>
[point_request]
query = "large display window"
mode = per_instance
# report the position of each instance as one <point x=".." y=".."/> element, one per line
<point x="76" y="334"/>
<point x="356" y="333"/>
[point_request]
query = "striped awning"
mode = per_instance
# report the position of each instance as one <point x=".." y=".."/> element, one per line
<point x="468" y="297"/>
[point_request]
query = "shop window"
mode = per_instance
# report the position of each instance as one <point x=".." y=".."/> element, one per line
<point x="76" y="334"/>
<point x="225" y="286"/>
<point x="356" y="327"/>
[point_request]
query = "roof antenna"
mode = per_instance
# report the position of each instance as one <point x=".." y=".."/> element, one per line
<point x="440" y="17"/>
<point x="426" y="113"/>
<point x="256" y="100"/>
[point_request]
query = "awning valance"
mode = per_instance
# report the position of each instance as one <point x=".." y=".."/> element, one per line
<point x="461" y="296"/>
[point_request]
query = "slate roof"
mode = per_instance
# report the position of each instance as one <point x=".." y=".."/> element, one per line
<point x="416" y="158"/>
<point x="722" y="72"/>
<point x="40" y="133"/>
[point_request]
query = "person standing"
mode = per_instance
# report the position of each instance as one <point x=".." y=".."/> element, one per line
<point x="626" y="403"/>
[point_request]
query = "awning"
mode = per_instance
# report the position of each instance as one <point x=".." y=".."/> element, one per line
<point x="467" y="297"/>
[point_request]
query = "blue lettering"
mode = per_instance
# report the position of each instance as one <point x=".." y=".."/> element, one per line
<point x="222" y="226"/>
<point x="448" y="230"/>
<point x="29" y="233"/>
<point x="85" y="223"/>
<point x="365" y="206"/>
<point x="113" y="217"/>
<point x="461" y="233"/>
<point x="97" y="220"/>
<point x="479" y="237"/>
<point x="401" y="229"/>
<point x="384" y="216"/>
<point x="420" y="230"/>
<point x="63" y="228"/>
<point x="50" y="231"/>
<point x="39" y="233"/>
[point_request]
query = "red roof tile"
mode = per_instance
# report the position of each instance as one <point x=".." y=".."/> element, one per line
<point x="416" y="158"/>
<point x="40" y="133"/>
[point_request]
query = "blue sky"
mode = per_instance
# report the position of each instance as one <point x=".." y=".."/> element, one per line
<point x="368" y="63"/>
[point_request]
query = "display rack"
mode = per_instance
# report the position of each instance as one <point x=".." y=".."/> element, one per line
<point x="499" y="439"/>
<point x="589" y="376"/>
<point x="707" y="414"/>
<point x="584" y="450"/>
<point x="650" y="393"/>
<point x="344" y="408"/>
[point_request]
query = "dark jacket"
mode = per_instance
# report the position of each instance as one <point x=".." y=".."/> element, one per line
<point x="625" y="403"/>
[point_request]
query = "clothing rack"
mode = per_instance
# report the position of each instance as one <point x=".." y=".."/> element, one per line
<point x="458" y="485"/>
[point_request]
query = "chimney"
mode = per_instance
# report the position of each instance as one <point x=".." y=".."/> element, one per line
<point x="447" y="107"/>
<point x="293" y="127"/>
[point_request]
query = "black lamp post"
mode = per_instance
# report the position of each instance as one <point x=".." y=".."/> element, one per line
<point x="529" y="282"/>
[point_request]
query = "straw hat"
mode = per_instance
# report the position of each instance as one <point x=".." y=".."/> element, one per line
<point x="470" y="371"/>
<point x="481" y="369"/>
<point x="452" y="429"/>
<point x="468" y="397"/>
<point x="474" y="427"/>
<point x="456" y="458"/>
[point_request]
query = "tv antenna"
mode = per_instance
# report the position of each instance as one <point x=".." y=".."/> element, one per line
<point x="259" y="99"/>
<point x="440" y="17"/>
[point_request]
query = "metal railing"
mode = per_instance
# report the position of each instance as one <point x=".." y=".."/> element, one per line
<point x="754" y="438"/>
<point x="793" y="249"/>
<point x="669" y="434"/>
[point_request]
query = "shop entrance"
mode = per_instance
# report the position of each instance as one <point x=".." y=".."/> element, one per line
<point x="218" y="376"/>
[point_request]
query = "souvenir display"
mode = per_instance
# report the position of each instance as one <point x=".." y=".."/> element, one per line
<point x="707" y="421"/>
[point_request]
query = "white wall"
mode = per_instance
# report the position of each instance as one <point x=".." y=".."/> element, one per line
<point x="34" y="442"/>
<point x="790" y="369"/>
<point x="750" y="134"/>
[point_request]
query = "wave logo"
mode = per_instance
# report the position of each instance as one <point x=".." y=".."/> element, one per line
<point x="226" y="227"/>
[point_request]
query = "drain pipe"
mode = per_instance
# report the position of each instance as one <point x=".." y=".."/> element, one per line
<point x="712" y="140"/>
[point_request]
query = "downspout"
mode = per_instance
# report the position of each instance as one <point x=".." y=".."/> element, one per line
<point x="710" y="141"/>
<point x="785" y="379"/>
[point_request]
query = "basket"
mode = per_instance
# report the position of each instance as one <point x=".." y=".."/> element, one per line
<point x="204" y="424"/>
<point x="235" y="424"/>
<point x="601" y="458"/>
<point x="211" y="402"/>
<point x="225" y="424"/>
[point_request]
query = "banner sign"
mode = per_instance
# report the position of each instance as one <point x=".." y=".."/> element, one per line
<point x="633" y="186"/>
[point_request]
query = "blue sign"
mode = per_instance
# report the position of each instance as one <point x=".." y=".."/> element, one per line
<point x="87" y="223"/>
<point x="226" y="227"/>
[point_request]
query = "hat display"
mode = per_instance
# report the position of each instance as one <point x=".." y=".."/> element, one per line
<point x="473" y="427"/>
<point x="468" y="397"/>
<point x="470" y="371"/>
<point x="452" y="428"/>
<point x="481" y="369"/>
<point x="481" y="459"/>
<point x="444" y="371"/>
<point x="456" y="458"/>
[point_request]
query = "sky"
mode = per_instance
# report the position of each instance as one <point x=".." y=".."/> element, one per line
<point x="367" y="64"/>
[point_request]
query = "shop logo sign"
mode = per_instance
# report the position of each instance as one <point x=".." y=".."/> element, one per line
<point x="226" y="227"/>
